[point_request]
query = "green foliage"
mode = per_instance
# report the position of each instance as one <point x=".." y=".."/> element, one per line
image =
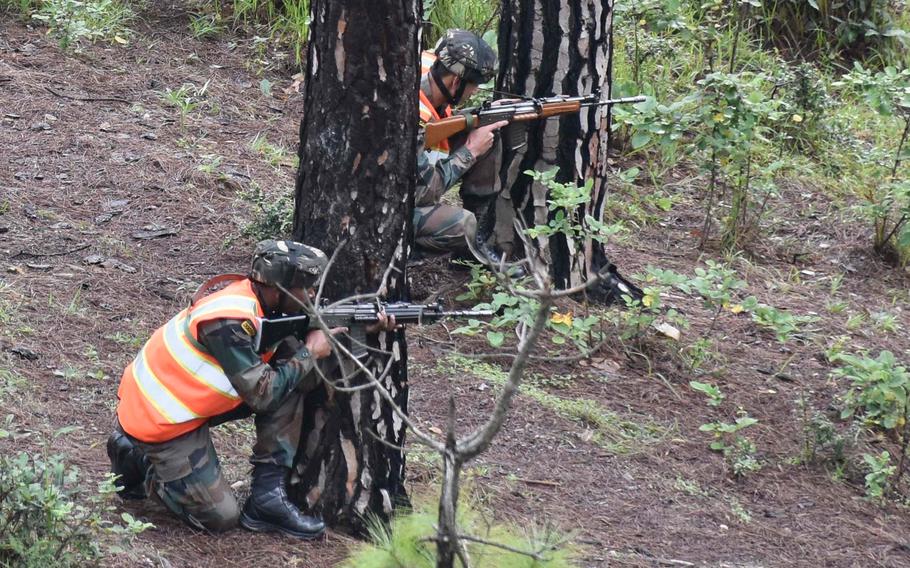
<point x="71" y="21"/>
<point x="479" y="16"/>
<point x="205" y="26"/>
<point x="275" y="155"/>
<point x="847" y="29"/>
<point x="880" y="472"/>
<point x="887" y="202"/>
<point x="273" y="215"/>
<point x="715" y="397"/>
<point x="284" y="24"/>
<point x="878" y="389"/>
<point x="50" y="518"/>
<point x="186" y="99"/>
<point x="563" y="201"/>
<point x="408" y="543"/>
<point x="783" y="324"/>
<point x="821" y="439"/>
<point x="738" y="450"/>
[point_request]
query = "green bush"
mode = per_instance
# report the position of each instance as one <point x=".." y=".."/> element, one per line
<point x="848" y="29"/>
<point x="71" y="21"/>
<point x="50" y="517"/>
<point x="480" y="16"/>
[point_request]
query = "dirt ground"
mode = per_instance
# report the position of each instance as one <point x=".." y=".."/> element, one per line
<point x="114" y="207"/>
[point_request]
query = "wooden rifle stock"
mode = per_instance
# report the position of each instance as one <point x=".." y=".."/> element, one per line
<point x="439" y="130"/>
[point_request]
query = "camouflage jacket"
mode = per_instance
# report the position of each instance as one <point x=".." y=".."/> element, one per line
<point x="437" y="171"/>
<point x="261" y="385"/>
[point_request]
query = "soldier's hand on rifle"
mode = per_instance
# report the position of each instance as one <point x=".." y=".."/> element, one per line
<point x="384" y="322"/>
<point x="481" y="140"/>
<point x="318" y="344"/>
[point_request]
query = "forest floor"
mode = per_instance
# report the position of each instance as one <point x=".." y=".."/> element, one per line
<point x="115" y="206"/>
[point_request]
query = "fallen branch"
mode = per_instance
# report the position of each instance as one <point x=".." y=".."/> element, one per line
<point x="539" y="482"/>
<point x="86" y="99"/>
<point x="44" y="254"/>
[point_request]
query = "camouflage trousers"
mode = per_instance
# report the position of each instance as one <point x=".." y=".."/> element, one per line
<point x="442" y="228"/>
<point x="185" y="473"/>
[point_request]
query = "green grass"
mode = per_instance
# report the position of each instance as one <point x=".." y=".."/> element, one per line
<point x="608" y="429"/>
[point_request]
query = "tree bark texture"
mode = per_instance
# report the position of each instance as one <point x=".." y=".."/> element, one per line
<point x="549" y="47"/>
<point x="355" y="185"/>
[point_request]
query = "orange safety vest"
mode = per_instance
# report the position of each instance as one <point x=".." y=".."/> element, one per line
<point x="174" y="385"/>
<point x="427" y="111"/>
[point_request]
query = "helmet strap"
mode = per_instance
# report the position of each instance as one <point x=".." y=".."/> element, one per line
<point x="436" y="72"/>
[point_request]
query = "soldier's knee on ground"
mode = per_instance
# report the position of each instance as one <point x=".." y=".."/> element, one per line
<point x="214" y="509"/>
<point x="223" y="517"/>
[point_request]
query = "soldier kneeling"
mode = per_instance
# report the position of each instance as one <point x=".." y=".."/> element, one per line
<point x="200" y="370"/>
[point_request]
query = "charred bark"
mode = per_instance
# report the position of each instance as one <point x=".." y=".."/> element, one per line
<point x="354" y="190"/>
<point x="548" y="48"/>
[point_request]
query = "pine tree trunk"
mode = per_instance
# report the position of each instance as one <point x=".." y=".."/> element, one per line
<point x="549" y="47"/>
<point x="354" y="186"/>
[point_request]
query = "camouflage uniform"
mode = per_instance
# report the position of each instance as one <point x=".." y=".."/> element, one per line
<point x="185" y="473"/>
<point x="439" y="227"/>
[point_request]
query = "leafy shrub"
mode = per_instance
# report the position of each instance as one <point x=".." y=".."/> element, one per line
<point x="879" y="389"/>
<point x="848" y="29"/>
<point x="73" y="20"/>
<point x="480" y="16"/>
<point x="887" y="203"/>
<point x="273" y="216"/>
<point x="50" y="518"/>
<point x="878" y="395"/>
<point x="880" y="472"/>
<point x="738" y="450"/>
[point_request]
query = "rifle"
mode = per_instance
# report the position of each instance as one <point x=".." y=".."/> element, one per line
<point x="522" y="111"/>
<point x="354" y="316"/>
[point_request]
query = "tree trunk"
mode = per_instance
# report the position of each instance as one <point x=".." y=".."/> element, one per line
<point x="549" y="47"/>
<point x="355" y="186"/>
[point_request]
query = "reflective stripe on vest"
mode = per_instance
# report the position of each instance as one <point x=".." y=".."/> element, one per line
<point x="174" y="385"/>
<point x="428" y="112"/>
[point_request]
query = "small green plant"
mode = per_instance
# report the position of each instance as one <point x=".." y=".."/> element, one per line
<point x="885" y="322"/>
<point x="878" y="389"/>
<point x="204" y="26"/>
<point x="738" y="450"/>
<point x="783" y="324"/>
<point x="880" y="472"/>
<point x="185" y="99"/>
<point x="822" y="442"/>
<point x="275" y="155"/>
<point x="273" y="215"/>
<point x="715" y="397"/>
<point x="563" y="202"/>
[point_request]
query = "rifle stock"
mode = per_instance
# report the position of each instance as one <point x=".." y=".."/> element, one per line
<point x="439" y="130"/>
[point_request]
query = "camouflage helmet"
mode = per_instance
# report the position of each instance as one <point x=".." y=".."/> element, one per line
<point x="466" y="55"/>
<point x="287" y="263"/>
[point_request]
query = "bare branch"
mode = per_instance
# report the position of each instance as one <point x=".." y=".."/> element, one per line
<point x="535" y="555"/>
<point x="480" y="439"/>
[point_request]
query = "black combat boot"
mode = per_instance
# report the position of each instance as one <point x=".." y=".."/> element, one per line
<point x="268" y="508"/>
<point x="130" y="464"/>
<point x="486" y="223"/>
